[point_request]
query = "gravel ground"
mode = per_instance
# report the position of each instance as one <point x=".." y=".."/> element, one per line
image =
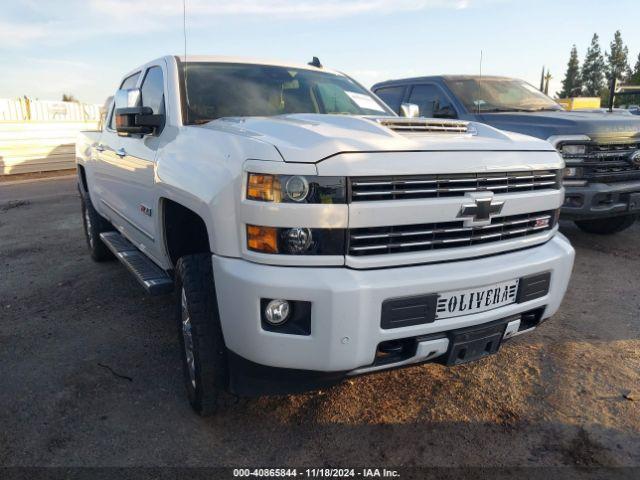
<point x="90" y="373"/>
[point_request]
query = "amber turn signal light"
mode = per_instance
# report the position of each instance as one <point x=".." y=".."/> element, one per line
<point x="262" y="239"/>
<point x="263" y="187"/>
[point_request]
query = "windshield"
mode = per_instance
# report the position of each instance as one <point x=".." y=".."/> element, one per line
<point x="215" y="90"/>
<point x="500" y="95"/>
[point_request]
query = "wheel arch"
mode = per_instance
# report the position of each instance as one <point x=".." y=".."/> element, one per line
<point x="83" y="185"/>
<point x="184" y="231"/>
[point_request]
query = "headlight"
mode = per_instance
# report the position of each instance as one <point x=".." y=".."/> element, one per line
<point x="296" y="241"/>
<point x="295" y="188"/>
<point x="573" y="149"/>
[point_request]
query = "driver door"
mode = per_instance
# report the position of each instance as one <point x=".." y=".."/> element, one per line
<point x="432" y="101"/>
<point x="128" y="169"/>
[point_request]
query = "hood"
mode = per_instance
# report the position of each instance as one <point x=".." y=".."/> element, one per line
<point x="309" y="138"/>
<point x="543" y="125"/>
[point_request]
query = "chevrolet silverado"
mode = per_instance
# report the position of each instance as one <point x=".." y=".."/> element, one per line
<point x="308" y="233"/>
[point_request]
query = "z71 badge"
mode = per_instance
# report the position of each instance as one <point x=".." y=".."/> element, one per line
<point x="145" y="210"/>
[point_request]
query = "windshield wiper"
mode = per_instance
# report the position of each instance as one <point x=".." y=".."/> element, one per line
<point x="505" y="109"/>
<point x="547" y="109"/>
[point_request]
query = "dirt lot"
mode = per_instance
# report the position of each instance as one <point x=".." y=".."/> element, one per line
<point x="90" y="373"/>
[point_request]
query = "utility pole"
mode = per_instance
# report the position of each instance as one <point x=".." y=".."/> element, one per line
<point x="547" y="77"/>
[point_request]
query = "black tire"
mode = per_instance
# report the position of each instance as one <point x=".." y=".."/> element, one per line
<point x="606" y="226"/>
<point x="207" y="379"/>
<point x="94" y="224"/>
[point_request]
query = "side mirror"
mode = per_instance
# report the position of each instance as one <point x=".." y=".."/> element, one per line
<point x="132" y="117"/>
<point x="445" y="112"/>
<point x="409" y="110"/>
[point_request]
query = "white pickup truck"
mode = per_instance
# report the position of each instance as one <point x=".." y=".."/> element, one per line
<point x="310" y="234"/>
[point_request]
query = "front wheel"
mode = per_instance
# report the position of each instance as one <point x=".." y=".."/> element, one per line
<point x="606" y="226"/>
<point x="204" y="355"/>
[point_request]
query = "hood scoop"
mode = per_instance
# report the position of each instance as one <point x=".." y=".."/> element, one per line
<point x="425" y="125"/>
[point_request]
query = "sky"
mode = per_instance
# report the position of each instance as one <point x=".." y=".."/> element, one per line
<point x="83" y="47"/>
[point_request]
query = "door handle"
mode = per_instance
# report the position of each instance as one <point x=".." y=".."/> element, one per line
<point x="100" y="148"/>
<point x="121" y="152"/>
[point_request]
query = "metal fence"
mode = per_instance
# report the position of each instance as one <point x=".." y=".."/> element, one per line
<point x="27" y="110"/>
<point x="37" y="136"/>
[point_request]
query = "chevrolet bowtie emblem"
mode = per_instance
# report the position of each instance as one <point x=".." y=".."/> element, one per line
<point x="480" y="210"/>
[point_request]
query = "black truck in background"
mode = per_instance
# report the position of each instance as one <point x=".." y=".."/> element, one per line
<point x="601" y="150"/>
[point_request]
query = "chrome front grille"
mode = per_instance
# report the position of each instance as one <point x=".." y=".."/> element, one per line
<point x="449" y="185"/>
<point x="606" y="162"/>
<point x="431" y="236"/>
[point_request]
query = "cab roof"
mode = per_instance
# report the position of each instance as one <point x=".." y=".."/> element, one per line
<point x="453" y="78"/>
<point x="251" y="61"/>
<point x="171" y="59"/>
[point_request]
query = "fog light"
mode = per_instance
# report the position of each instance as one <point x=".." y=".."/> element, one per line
<point x="277" y="312"/>
<point x="573" y="201"/>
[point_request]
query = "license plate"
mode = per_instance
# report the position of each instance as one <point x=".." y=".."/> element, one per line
<point x="476" y="300"/>
<point x="471" y="344"/>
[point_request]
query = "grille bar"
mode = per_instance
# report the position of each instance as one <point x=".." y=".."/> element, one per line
<point x="411" y="238"/>
<point x="606" y="162"/>
<point x="452" y="185"/>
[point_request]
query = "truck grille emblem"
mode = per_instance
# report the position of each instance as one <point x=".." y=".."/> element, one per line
<point x="481" y="210"/>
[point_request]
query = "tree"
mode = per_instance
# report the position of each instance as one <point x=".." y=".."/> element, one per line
<point x="635" y="76"/>
<point x="634" y="79"/>
<point x="617" y="60"/>
<point x="67" y="97"/>
<point x="593" y="69"/>
<point x="572" y="83"/>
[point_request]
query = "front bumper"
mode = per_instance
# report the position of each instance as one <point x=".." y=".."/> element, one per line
<point x="600" y="200"/>
<point x="346" y="303"/>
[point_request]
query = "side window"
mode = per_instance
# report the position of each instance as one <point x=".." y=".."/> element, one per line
<point x="129" y="82"/>
<point x="392" y="96"/>
<point x="152" y="90"/>
<point x="432" y="101"/>
<point x="112" y="120"/>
